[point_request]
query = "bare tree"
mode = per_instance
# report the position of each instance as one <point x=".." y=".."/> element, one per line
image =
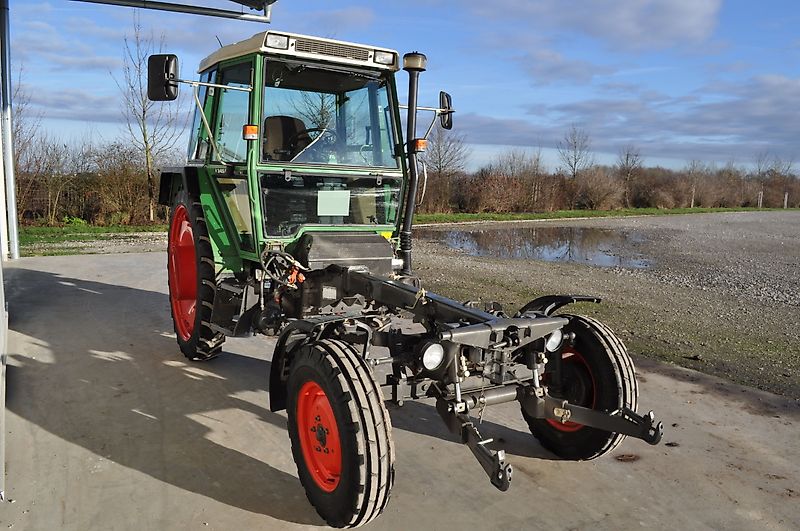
<point x="153" y="128"/>
<point x="54" y="168"/>
<point x="598" y="189"/>
<point x="123" y="184"/>
<point x="629" y="164"/>
<point x="694" y="170"/>
<point x="528" y="168"/>
<point x="445" y="157"/>
<point x="575" y="151"/>
<point x="316" y="108"/>
<point x="446" y="153"/>
<point x="25" y="123"/>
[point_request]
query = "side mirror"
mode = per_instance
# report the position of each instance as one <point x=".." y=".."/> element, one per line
<point x="162" y="77"/>
<point x="446" y="105"/>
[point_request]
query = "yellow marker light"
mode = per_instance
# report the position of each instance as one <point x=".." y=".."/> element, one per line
<point x="387" y="235"/>
<point x="419" y="145"/>
<point x="250" y="132"/>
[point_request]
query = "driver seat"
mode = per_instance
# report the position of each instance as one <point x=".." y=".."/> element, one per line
<point x="278" y="132"/>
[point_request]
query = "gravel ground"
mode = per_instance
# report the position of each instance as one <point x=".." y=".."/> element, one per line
<point x="722" y="295"/>
<point x="123" y="242"/>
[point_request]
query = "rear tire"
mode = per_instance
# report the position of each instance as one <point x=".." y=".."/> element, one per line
<point x="597" y="373"/>
<point x="341" y="433"/>
<point x="191" y="277"/>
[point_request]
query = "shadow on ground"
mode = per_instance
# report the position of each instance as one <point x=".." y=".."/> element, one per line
<point x="101" y="370"/>
<point x="104" y="373"/>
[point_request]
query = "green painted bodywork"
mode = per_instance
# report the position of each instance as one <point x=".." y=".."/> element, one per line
<point x="229" y="254"/>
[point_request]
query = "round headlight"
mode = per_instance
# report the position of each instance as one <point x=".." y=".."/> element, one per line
<point x="432" y="356"/>
<point x="554" y="341"/>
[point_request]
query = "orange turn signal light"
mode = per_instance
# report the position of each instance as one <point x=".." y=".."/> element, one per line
<point x="419" y="145"/>
<point x="250" y="132"/>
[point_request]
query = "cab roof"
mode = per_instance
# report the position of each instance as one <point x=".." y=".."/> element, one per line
<point x="304" y="47"/>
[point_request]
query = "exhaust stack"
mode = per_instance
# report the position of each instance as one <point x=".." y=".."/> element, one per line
<point x="414" y="63"/>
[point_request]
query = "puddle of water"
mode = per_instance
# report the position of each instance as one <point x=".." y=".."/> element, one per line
<point x="600" y="247"/>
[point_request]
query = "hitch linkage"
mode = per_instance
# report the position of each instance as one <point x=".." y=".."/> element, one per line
<point x="624" y="421"/>
<point x="493" y="463"/>
<point x="538" y="404"/>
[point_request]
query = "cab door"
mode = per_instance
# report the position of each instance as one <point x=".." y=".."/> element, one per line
<point x="228" y="162"/>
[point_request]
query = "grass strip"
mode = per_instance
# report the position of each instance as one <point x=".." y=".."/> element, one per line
<point x="33" y="235"/>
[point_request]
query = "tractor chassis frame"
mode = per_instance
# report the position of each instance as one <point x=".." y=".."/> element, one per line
<point x="459" y="327"/>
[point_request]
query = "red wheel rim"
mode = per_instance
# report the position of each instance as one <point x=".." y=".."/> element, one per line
<point x="570" y="355"/>
<point x="319" y="436"/>
<point x="182" y="270"/>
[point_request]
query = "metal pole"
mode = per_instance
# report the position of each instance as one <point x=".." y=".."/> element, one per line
<point x="3" y="362"/>
<point x="3" y="216"/>
<point x="413" y="63"/>
<point x="192" y="10"/>
<point x="8" y="141"/>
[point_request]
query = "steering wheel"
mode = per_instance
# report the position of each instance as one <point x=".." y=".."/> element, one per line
<point x="323" y="131"/>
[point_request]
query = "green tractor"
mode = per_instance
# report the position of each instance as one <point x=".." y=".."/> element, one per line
<point x="293" y="218"/>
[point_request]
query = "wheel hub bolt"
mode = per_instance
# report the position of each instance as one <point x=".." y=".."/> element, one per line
<point x="322" y="434"/>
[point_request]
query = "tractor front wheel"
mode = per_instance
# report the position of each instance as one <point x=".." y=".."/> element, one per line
<point x="190" y="273"/>
<point x="597" y="373"/>
<point x="340" y="432"/>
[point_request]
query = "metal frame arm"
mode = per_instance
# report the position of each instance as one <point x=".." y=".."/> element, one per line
<point x="624" y="421"/>
<point x="196" y="10"/>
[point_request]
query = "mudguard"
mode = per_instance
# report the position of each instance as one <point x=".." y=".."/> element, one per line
<point x="547" y="304"/>
<point x="293" y="336"/>
<point x="174" y="179"/>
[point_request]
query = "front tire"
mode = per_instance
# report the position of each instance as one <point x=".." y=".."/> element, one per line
<point x="191" y="276"/>
<point x="340" y="433"/>
<point x="597" y="373"/>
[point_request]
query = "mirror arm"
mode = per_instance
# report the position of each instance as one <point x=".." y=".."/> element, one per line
<point x="205" y="123"/>
<point x="196" y="86"/>
<point x="430" y="127"/>
<point x="436" y="114"/>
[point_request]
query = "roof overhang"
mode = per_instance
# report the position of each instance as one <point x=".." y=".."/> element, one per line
<point x="307" y="48"/>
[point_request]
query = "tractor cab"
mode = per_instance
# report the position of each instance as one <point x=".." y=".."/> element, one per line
<point x="294" y="135"/>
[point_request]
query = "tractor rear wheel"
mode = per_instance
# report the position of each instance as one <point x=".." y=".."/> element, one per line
<point x="191" y="273"/>
<point x="597" y="373"/>
<point x="341" y="433"/>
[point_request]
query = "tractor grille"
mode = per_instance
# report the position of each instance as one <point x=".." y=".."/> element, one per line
<point x="332" y="49"/>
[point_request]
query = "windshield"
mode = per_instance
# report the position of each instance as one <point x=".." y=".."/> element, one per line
<point x="321" y="116"/>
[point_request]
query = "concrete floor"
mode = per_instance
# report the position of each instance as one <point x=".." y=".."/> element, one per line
<point x="109" y="428"/>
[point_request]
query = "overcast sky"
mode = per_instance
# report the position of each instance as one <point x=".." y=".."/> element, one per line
<point x="681" y="79"/>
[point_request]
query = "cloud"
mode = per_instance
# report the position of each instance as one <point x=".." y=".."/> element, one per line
<point x="625" y="24"/>
<point x="83" y="62"/>
<point x="336" y="22"/>
<point x="76" y="104"/>
<point x="547" y="66"/>
<point x="480" y="129"/>
<point x="717" y="123"/>
<point x="89" y="28"/>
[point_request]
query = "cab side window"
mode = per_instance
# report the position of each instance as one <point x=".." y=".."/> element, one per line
<point x="233" y="112"/>
<point x="198" y="143"/>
